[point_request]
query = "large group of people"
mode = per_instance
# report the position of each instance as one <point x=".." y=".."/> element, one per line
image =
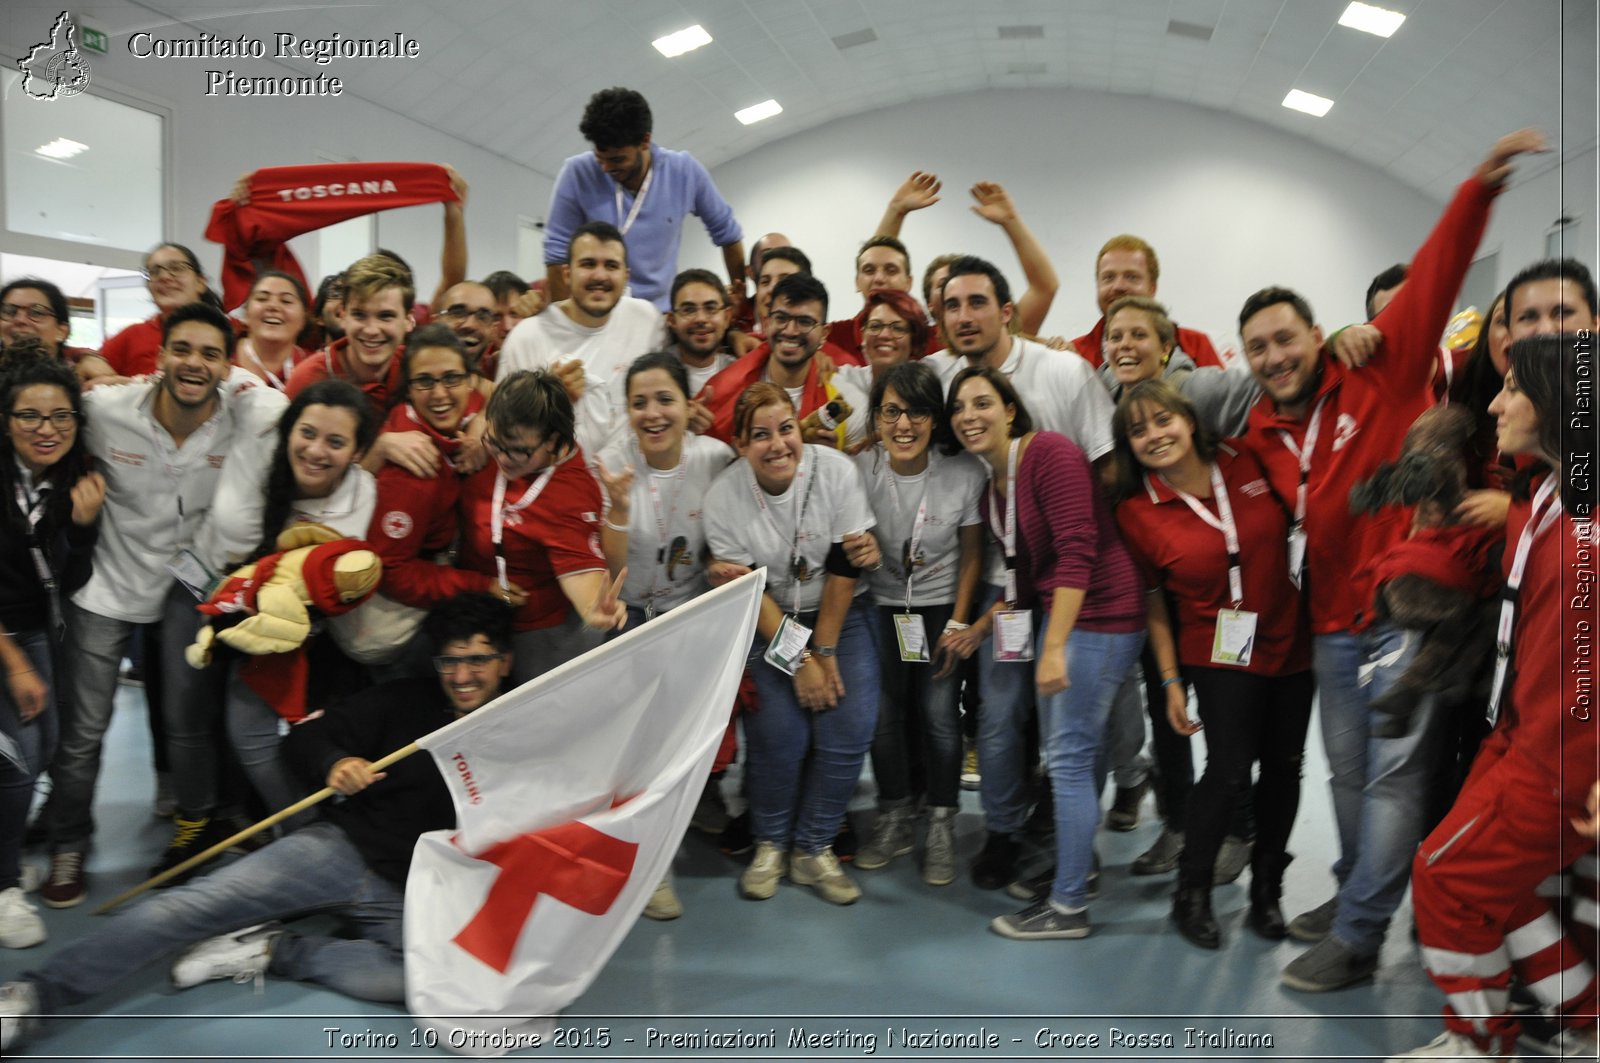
<point x="977" y="541"/>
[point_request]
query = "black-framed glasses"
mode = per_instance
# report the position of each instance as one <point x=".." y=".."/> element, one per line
<point x="33" y="420"/>
<point x="781" y="321"/>
<point x="425" y="383"/>
<point x="177" y="269"/>
<point x="516" y="454"/>
<point x="446" y="663"/>
<point x="896" y="328"/>
<point x="36" y="313"/>
<point x="459" y="312"/>
<point x="706" y="309"/>
<point x="891" y="414"/>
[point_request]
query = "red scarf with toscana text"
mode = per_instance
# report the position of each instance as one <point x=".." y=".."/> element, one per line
<point x="286" y="201"/>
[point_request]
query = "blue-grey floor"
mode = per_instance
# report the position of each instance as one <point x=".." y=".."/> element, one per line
<point x="906" y="957"/>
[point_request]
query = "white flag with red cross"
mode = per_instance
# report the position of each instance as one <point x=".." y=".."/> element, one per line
<point x="572" y="793"/>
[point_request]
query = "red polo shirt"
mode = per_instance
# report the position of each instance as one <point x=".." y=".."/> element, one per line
<point x="333" y="362"/>
<point x="135" y="350"/>
<point x="1177" y="550"/>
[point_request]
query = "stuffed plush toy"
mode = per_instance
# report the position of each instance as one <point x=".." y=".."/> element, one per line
<point x="1440" y="581"/>
<point x="265" y="609"/>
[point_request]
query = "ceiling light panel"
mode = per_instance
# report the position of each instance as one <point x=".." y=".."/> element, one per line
<point x="764" y="109"/>
<point x="1310" y="103"/>
<point x="1378" y="21"/>
<point x="685" y="40"/>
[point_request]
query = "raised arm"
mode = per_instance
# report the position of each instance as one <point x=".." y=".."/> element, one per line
<point x="453" y="256"/>
<point x="918" y="191"/>
<point x="994" y="204"/>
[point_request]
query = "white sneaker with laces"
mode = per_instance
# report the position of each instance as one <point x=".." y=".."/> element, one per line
<point x="19" y="1013"/>
<point x="664" y="903"/>
<point x="242" y="956"/>
<point x="20" y="925"/>
<point x="1450" y="1045"/>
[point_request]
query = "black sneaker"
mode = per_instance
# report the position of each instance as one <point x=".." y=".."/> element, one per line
<point x="191" y="837"/>
<point x="735" y="839"/>
<point x="996" y="866"/>
<point x="845" y="843"/>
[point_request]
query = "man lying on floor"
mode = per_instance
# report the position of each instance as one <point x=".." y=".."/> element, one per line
<point x="352" y="862"/>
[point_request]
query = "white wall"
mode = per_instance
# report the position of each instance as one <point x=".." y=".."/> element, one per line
<point x="1229" y="204"/>
<point x="217" y="138"/>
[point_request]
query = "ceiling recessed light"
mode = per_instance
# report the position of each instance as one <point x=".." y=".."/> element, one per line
<point x="1379" y="21"/>
<point x="61" y="148"/>
<point x="1307" y="102"/>
<point x="764" y="109"/>
<point x="675" y="44"/>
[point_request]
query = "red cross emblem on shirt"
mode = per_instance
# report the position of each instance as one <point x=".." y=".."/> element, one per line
<point x="573" y="863"/>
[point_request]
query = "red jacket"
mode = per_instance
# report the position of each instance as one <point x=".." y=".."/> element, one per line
<point x="135" y="350"/>
<point x="729" y="384"/>
<point x="1364" y="422"/>
<point x="416" y="518"/>
<point x="333" y="362"/>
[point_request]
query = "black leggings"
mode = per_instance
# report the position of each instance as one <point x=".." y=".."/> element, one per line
<point x="1247" y="718"/>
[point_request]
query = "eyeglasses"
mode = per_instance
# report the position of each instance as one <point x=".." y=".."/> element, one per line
<point x="891" y="414"/>
<point x="425" y="383"/>
<point x="446" y="663"/>
<point x="461" y="313"/>
<point x="691" y="309"/>
<point x="896" y="328"/>
<point x="33" y="420"/>
<point x="177" y="269"/>
<point x="516" y="454"/>
<point x="35" y="313"/>
<point x="781" y="321"/>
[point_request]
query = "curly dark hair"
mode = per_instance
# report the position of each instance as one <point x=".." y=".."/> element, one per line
<point x="29" y="366"/>
<point x="615" y="118"/>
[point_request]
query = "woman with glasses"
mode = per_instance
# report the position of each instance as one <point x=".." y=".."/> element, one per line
<point x="415" y="518"/>
<point x="52" y="501"/>
<point x="1068" y="616"/>
<point x="530" y="519"/>
<point x="799" y="511"/>
<point x="275" y="318"/>
<point x="173" y="276"/>
<point x="931" y="540"/>
<point x="893" y="330"/>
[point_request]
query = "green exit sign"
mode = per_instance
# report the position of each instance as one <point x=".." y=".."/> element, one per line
<point x="95" y="40"/>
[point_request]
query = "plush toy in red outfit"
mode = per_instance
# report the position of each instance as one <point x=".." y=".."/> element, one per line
<point x="264" y="609"/>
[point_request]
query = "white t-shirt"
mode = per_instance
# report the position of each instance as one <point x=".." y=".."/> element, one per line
<point x="747" y="526"/>
<point x="1059" y="389"/>
<point x="950" y="487"/>
<point x="854" y="384"/>
<point x="666" y="533"/>
<point x="698" y="376"/>
<point x="635" y="327"/>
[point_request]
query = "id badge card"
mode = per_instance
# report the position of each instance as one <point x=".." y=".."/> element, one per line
<point x="1235" y="638"/>
<point x="1502" y="665"/>
<point x="1297" y="556"/>
<point x="1013" y="635"/>
<point x="912" y="635"/>
<point x="788" y="645"/>
<point x="195" y="577"/>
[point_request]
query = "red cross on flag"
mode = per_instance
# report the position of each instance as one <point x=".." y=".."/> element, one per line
<point x="572" y="793"/>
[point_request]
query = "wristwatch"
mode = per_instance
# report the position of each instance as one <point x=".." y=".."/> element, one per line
<point x="826" y="651"/>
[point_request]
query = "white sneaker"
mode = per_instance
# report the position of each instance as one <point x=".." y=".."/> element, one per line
<point x="760" y="880"/>
<point x="1450" y="1045"/>
<point x="20" y="925"/>
<point x="19" y="1013"/>
<point x="664" y="903"/>
<point x="242" y="956"/>
<point x="822" y="872"/>
<point x="31" y="877"/>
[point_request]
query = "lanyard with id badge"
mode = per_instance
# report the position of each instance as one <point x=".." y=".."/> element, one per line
<point x="1538" y="523"/>
<point x="786" y="652"/>
<point x="1235" y="635"/>
<point x="185" y="565"/>
<point x="910" y="632"/>
<point x="1013" y="627"/>
<point x="663" y="530"/>
<point x="499" y="512"/>
<point x="1297" y="530"/>
<point x="32" y="505"/>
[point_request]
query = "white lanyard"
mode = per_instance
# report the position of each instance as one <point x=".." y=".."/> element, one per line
<point x="1226" y="525"/>
<point x="31" y="502"/>
<point x="198" y="442"/>
<point x="498" y="511"/>
<point x="909" y="557"/>
<point x="1538" y="524"/>
<point x="1008" y="533"/>
<point x="272" y="378"/>
<point x="625" y="224"/>
<point x="799" y="522"/>
<point x="1304" y="454"/>
<point x="663" y="523"/>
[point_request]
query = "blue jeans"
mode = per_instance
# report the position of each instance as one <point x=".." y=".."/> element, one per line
<point x="35" y="741"/>
<point x="1007" y="690"/>
<point x="1071" y="725"/>
<point x="918" y="719"/>
<point x="1379" y="785"/>
<point x="803" y="765"/>
<point x="316" y="869"/>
